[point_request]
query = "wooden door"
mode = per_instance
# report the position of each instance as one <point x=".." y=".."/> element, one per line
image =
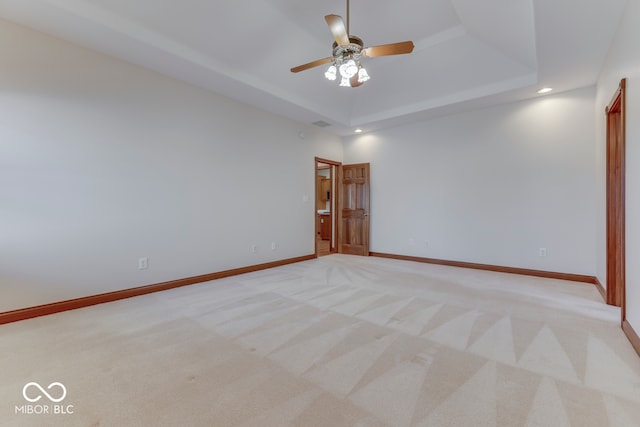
<point x="616" y="198"/>
<point x="353" y="209"/>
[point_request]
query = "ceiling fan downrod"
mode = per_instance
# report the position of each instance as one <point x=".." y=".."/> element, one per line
<point x="348" y="32"/>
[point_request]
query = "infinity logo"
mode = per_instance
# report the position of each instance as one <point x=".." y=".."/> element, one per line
<point x="43" y="391"/>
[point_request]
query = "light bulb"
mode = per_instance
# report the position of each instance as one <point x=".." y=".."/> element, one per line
<point x="330" y="74"/>
<point x="363" y="76"/>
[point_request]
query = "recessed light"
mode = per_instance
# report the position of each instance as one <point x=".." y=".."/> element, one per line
<point x="545" y="90"/>
<point x="358" y="130"/>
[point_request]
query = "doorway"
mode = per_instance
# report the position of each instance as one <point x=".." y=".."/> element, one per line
<point x="326" y="204"/>
<point x="615" y="113"/>
<point x="342" y="208"/>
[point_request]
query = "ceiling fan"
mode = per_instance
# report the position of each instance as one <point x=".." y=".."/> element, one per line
<point x="347" y="51"/>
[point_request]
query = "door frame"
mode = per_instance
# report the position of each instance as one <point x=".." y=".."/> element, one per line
<point x="615" y="232"/>
<point x="333" y="247"/>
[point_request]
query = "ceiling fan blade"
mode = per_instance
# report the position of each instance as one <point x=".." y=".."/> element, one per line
<point x="388" y="49"/>
<point x="354" y="82"/>
<point x="337" y="28"/>
<point x="311" y="65"/>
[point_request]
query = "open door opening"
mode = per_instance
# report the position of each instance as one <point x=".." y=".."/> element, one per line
<point x="326" y="172"/>
<point x="342" y="208"/>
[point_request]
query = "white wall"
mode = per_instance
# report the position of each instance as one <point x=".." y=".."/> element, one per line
<point x="490" y="186"/>
<point x="103" y="162"/>
<point x="623" y="61"/>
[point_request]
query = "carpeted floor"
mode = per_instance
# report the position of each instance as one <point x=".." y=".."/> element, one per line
<point x="337" y="341"/>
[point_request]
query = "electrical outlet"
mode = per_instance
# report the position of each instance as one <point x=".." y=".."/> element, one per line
<point x="542" y="252"/>
<point x="254" y="248"/>
<point x="274" y="246"/>
<point x="143" y="263"/>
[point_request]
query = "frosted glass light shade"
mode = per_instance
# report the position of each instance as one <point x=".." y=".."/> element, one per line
<point x="348" y="69"/>
<point x="363" y="76"/>
<point x="330" y="74"/>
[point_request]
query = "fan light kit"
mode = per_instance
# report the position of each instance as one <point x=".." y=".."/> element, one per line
<point x="346" y="63"/>
<point x="347" y="51"/>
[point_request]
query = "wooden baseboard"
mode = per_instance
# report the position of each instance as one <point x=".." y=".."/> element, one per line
<point x="72" y="304"/>
<point x="513" y="270"/>
<point x="631" y="335"/>
<point x="601" y="289"/>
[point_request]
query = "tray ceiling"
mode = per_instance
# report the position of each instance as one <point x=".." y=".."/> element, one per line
<point x="468" y="54"/>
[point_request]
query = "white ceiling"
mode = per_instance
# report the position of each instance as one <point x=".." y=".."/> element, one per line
<point x="468" y="53"/>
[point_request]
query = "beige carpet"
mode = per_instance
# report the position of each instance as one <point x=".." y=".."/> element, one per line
<point x="338" y="341"/>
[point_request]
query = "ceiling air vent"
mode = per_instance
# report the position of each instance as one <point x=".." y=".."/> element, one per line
<point x="321" y="123"/>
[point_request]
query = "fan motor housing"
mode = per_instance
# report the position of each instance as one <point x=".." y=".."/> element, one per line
<point x="353" y="48"/>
